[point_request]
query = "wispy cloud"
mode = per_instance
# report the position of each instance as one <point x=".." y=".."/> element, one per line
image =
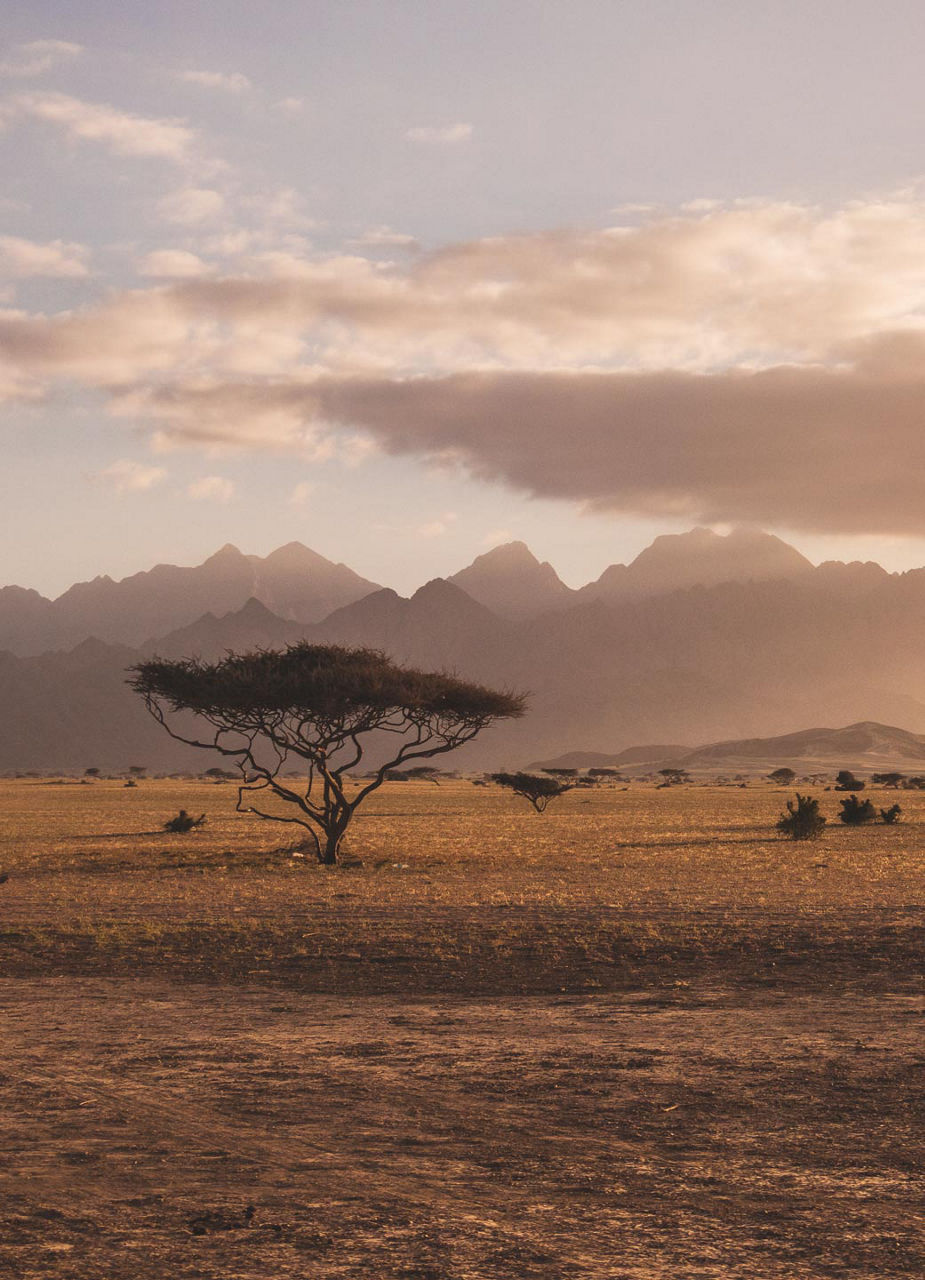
<point x="227" y="81"/>
<point x="126" y="476"/>
<point x="191" y="206"/>
<point x="437" y="528"/>
<point x="172" y="264"/>
<point x="38" y="56"/>
<point x="441" y="135"/>
<point x="20" y="258"/>
<point x="121" y="132"/>
<point x="301" y="493"/>
<point x="211" y="489"/>
<point x="384" y="238"/>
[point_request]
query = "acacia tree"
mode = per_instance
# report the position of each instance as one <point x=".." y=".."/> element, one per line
<point x="539" y="791"/>
<point x="324" y="705"/>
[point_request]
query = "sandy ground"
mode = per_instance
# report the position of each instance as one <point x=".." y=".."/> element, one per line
<point x="155" y="1129"/>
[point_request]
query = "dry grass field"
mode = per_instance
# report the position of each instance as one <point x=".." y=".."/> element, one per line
<point x="638" y="1036"/>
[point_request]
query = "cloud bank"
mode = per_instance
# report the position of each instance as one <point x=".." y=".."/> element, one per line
<point x="760" y="361"/>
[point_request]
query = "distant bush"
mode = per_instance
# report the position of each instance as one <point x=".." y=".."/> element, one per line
<point x="891" y="815"/>
<point x="892" y="779"/>
<point x="802" y="821"/>
<point x="855" y="812"/>
<point x="184" y="822"/>
<point x="615" y="774"/>
<point x="915" y="783"/>
<point x="846" y="781"/>
<point x="783" y="776"/>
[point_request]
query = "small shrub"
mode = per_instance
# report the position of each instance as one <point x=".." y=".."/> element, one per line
<point x="855" y="812"/>
<point x="891" y="815"/>
<point x="184" y="822"/>
<point x="802" y="821"/>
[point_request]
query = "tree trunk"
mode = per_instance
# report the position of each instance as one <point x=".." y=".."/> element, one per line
<point x="330" y="844"/>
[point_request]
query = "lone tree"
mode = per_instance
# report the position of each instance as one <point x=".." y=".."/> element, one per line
<point x="539" y="791"/>
<point x="782" y="776"/>
<point x="325" y="705"/>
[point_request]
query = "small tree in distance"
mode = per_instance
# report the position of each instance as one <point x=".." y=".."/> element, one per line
<point x="782" y="776"/>
<point x="802" y="821"/>
<point x="538" y="791"/>
<point x="325" y="705"/>
<point x="846" y="781"/>
<point x="892" y="779"/>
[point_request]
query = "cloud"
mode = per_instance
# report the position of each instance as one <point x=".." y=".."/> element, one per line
<point x="211" y="489"/>
<point x="822" y="450"/>
<point x="20" y="258"/>
<point x="191" y="206"/>
<point x="290" y="106"/>
<point x="39" y="56"/>
<point x="176" y="264"/>
<point x="440" y="135"/>
<point x="437" y="528"/>
<point x="126" y="476"/>
<point x="384" y="238"/>
<point x="123" y="133"/>
<point x="758" y="361"/>
<point x="229" y="82"/>
<point x="301" y="493"/>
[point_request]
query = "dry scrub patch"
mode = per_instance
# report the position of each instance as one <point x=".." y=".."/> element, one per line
<point x="460" y="888"/>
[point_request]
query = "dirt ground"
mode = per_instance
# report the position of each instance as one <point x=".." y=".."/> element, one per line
<point x="698" y="1055"/>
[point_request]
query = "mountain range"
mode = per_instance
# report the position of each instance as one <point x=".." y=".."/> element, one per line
<point x="864" y="746"/>
<point x="702" y="638"/>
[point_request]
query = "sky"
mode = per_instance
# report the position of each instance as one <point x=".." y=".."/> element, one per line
<point x="403" y="281"/>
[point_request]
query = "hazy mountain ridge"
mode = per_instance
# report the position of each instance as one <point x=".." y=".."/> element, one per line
<point x="725" y="662"/>
<point x="299" y="585"/>
<point x="866" y="745"/>
<point x="293" y="582"/>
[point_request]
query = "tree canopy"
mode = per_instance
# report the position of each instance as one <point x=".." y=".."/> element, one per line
<point x="539" y="791"/>
<point x="318" y="703"/>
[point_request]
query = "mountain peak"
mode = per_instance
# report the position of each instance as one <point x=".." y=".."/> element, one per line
<point x="511" y="582"/>
<point x="224" y="554"/>
<point x="701" y="558"/>
<point x="294" y="555"/>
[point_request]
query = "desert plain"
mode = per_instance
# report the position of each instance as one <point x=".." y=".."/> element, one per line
<point x="639" y="1036"/>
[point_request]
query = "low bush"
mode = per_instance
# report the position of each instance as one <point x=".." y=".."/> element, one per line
<point x="802" y="821"/>
<point x="184" y="822"/>
<point x="855" y="812"/>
